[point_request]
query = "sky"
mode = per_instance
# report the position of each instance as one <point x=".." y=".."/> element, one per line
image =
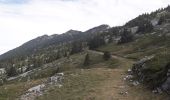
<point x="23" y="20"/>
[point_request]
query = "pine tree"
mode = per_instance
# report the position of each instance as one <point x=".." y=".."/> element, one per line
<point x="161" y="20"/>
<point x="87" y="60"/>
<point x="12" y="71"/>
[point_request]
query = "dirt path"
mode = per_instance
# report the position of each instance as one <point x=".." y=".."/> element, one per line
<point x="115" y="88"/>
<point x="125" y="63"/>
<point x="112" y="56"/>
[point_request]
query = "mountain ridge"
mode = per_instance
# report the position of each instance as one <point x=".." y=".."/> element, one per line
<point x="50" y="39"/>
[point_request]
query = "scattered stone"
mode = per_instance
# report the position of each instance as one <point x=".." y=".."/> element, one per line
<point x="129" y="70"/>
<point x="131" y="80"/>
<point x="60" y="74"/>
<point x="157" y="90"/>
<point x="135" y="83"/>
<point x="123" y="93"/>
<point x="124" y="79"/>
<point x="128" y="77"/>
<point x="55" y="79"/>
<point x="154" y="91"/>
<point x="37" y="89"/>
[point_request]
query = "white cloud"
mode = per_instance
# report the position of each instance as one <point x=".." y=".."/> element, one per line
<point x="22" y="22"/>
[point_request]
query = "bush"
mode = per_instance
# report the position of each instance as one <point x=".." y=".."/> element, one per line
<point x="12" y="72"/>
<point x="87" y="60"/>
<point x="106" y="55"/>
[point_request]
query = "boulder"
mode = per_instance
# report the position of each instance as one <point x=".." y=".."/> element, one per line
<point x="139" y="67"/>
<point x="158" y="79"/>
<point x="56" y="79"/>
<point x="37" y="89"/>
<point x="135" y="83"/>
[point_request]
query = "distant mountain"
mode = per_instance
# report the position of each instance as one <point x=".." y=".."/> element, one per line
<point x="45" y="41"/>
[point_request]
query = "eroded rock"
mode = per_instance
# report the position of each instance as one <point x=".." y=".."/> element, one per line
<point x="38" y="90"/>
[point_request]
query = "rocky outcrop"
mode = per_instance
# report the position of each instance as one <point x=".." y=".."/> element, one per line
<point x="159" y="80"/>
<point x="139" y="67"/>
<point x="134" y="30"/>
<point x="125" y="36"/>
<point x="32" y="93"/>
<point x="155" y="21"/>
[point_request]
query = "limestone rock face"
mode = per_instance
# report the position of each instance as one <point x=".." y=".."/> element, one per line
<point x="159" y="80"/>
<point x="155" y="21"/>
<point x="139" y="67"/>
<point x="133" y="30"/>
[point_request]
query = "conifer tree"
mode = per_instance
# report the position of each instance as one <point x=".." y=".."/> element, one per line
<point x="87" y="60"/>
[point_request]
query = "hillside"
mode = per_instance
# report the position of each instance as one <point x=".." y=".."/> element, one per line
<point x="45" y="41"/>
<point x="129" y="62"/>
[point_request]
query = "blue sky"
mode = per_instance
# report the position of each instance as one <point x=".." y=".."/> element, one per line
<point x="22" y="20"/>
<point x="13" y="1"/>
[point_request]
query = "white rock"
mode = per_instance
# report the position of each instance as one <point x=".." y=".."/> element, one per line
<point x="61" y="74"/>
<point x="155" y="21"/>
<point x="60" y="85"/>
<point x="129" y="70"/>
<point x="37" y="88"/>
<point x="154" y="91"/>
<point x="135" y="83"/>
<point x="2" y="71"/>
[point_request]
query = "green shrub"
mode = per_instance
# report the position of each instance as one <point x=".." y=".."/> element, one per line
<point x="106" y="55"/>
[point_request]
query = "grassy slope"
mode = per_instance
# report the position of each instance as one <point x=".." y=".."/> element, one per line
<point x="147" y="45"/>
<point x="13" y="89"/>
<point x="103" y="81"/>
<point x="100" y="83"/>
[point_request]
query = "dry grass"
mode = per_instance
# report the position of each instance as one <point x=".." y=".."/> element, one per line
<point x="11" y="91"/>
<point x="100" y="83"/>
